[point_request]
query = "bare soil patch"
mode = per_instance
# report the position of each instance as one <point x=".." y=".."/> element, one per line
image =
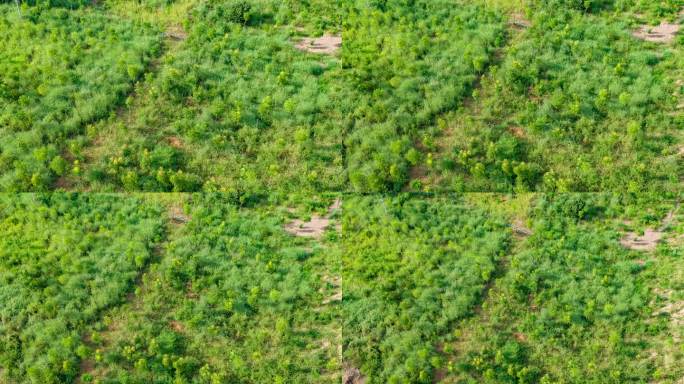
<point x="353" y="376"/>
<point x="651" y="237"/>
<point x="86" y="366"/>
<point x="663" y="33"/>
<point x="326" y="44"/>
<point x="519" y="21"/>
<point x="336" y="283"/>
<point x="176" y="32"/>
<point x="646" y="242"/>
<point x="176" y="326"/>
<point x="675" y="311"/>
<point x="175" y="142"/>
<point x="62" y="182"/>
<point x="517" y="131"/>
<point x="177" y="216"/>
<point x="337" y="296"/>
<point x="519" y="229"/>
<point x="316" y="226"/>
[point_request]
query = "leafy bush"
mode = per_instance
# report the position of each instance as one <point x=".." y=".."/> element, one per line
<point x="238" y="11"/>
<point x="570" y="306"/>
<point x="398" y="60"/>
<point x="251" y="111"/>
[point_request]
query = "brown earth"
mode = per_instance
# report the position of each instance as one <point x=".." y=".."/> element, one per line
<point x="336" y="283"/>
<point x="519" y="229"/>
<point x="176" y="326"/>
<point x="651" y="237"/>
<point x="353" y="376"/>
<point x="663" y="33"/>
<point x="647" y="242"/>
<point x="326" y="44"/>
<point x="519" y="21"/>
<point x="316" y="226"/>
<point x="176" y="32"/>
<point x="177" y="215"/>
<point x="175" y="142"/>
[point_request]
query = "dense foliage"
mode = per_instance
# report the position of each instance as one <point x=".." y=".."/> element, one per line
<point x="399" y="58"/>
<point x="574" y="305"/>
<point x="234" y="300"/>
<point x="64" y="259"/>
<point x="578" y="104"/>
<point x="411" y="268"/>
<point x="258" y="104"/>
<point x="59" y="71"/>
<point x="422" y="94"/>
<point x="236" y="105"/>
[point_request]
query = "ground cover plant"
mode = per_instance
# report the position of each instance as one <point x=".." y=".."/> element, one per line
<point x="327" y="155"/>
<point x="574" y="305"/>
<point x="505" y="289"/>
<point x="236" y="106"/>
<point x="64" y="259"/>
<point x="166" y="288"/>
<point x="398" y="58"/>
<point x="229" y="95"/>
<point x="577" y="104"/>
<point x="234" y="299"/>
<point x="60" y="70"/>
<point x="411" y="269"/>
<point x="296" y="119"/>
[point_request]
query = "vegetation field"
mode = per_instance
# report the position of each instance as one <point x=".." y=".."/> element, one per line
<point x="61" y="71"/>
<point x="347" y="96"/>
<point x="165" y="288"/>
<point x="501" y="289"/>
<point x="354" y="191"/>
<point x="208" y="288"/>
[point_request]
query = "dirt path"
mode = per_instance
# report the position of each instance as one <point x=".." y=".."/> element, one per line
<point x="519" y="234"/>
<point x="331" y="282"/>
<point x="665" y="32"/>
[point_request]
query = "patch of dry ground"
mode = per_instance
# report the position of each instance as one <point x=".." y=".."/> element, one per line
<point x="520" y="230"/>
<point x="519" y="21"/>
<point x="175" y="32"/>
<point x="326" y="44"/>
<point x="316" y="226"/>
<point x="665" y="32"/>
<point x="175" y="142"/>
<point x="177" y="215"/>
<point x="646" y="242"/>
<point x="651" y="237"/>
<point x="336" y="283"/>
<point x="666" y="352"/>
<point x="353" y="376"/>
